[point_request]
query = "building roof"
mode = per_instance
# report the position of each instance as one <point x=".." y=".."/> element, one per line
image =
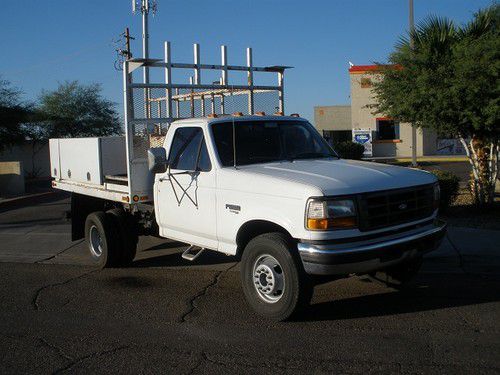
<point x="360" y="69"/>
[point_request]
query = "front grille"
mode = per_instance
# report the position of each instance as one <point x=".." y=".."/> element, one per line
<point x="392" y="207"/>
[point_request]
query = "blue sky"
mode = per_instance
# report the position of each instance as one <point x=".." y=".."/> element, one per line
<point x="46" y="42"/>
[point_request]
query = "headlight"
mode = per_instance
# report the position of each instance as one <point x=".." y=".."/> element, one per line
<point x="331" y="214"/>
<point x="437" y="195"/>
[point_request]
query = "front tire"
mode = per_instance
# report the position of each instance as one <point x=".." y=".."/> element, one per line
<point x="274" y="282"/>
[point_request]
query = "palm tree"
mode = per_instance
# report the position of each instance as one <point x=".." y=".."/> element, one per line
<point x="449" y="82"/>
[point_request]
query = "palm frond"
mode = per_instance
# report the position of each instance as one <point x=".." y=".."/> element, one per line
<point x="484" y="21"/>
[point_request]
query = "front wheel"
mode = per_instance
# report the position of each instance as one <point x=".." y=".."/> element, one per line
<point x="272" y="277"/>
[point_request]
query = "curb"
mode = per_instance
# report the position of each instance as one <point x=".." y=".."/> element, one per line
<point x="442" y="160"/>
<point x="28" y="200"/>
<point x="420" y="159"/>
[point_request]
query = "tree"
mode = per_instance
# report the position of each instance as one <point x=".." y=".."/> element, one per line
<point x="76" y="110"/>
<point x="13" y="112"/>
<point x="449" y="82"/>
<point x="72" y="110"/>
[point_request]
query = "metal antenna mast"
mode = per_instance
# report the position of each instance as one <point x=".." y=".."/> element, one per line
<point x="144" y="8"/>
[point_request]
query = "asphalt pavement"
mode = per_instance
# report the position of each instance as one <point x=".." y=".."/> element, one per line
<point x="164" y="314"/>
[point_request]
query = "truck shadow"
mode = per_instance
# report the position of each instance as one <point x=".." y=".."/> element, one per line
<point x="174" y="259"/>
<point x="430" y="292"/>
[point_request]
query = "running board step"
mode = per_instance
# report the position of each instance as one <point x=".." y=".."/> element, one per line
<point x="192" y="252"/>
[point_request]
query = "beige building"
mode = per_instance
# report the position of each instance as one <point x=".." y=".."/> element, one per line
<point x="389" y="138"/>
<point x="330" y="117"/>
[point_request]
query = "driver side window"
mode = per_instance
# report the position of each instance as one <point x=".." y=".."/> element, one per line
<point x="189" y="151"/>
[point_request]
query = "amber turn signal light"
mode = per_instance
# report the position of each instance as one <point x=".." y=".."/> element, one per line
<point x="338" y="223"/>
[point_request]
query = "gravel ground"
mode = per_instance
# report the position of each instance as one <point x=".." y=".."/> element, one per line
<point x="463" y="213"/>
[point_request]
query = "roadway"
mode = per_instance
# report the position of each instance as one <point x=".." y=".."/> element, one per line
<point x="164" y="314"/>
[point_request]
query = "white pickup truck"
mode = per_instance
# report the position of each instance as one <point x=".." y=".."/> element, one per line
<point x="266" y="189"/>
<point x="288" y="205"/>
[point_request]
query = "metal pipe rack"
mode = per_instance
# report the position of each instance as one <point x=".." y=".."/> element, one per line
<point x="150" y="107"/>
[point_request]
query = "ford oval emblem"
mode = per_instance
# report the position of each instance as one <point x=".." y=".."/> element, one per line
<point x="403" y="206"/>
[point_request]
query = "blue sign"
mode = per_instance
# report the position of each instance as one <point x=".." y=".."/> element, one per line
<point x="362" y="138"/>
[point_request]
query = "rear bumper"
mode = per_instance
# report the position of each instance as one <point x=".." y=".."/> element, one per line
<point x="354" y="256"/>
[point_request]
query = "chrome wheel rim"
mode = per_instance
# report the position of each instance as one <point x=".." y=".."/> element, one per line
<point x="268" y="278"/>
<point x="95" y="243"/>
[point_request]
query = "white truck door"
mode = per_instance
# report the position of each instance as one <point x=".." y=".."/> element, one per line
<point x="185" y="196"/>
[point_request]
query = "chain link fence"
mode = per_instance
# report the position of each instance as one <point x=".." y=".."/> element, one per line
<point x="189" y="103"/>
<point x="151" y="103"/>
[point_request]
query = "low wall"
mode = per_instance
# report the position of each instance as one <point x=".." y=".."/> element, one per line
<point x="35" y="164"/>
<point x="11" y="178"/>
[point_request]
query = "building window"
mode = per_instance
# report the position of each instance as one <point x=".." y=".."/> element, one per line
<point x="387" y="129"/>
<point x="366" y="83"/>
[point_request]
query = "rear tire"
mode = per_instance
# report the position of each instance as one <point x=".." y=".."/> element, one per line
<point x="127" y="236"/>
<point x="274" y="282"/>
<point x="101" y="239"/>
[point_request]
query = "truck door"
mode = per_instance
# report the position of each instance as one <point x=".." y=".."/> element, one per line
<point x="185" y="194"/>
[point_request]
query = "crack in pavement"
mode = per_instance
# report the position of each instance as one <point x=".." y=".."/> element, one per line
<point x="77" y="361"/>
<point x="203" y="358"/>
<point x="327" y="365"/>
<point x="38" y="293"/>
<point x="59" y="253"/>
<point x="55" y="348"/>
<point x="192" y="302"/>
<point x="460" y="257"/>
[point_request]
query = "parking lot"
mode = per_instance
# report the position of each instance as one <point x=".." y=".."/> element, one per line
<point x="58" y="314"/>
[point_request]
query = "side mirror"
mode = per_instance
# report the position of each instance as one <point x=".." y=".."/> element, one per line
<point x="157" y="160"/>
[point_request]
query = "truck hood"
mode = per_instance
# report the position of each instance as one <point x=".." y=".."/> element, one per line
<point x="339" y="177"/>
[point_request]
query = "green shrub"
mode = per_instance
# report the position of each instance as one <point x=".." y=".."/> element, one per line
<point x="349" y="150"/>
<point x="449" y="184"/>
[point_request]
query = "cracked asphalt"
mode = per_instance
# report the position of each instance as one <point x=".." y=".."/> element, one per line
<point x="59" y="315"/>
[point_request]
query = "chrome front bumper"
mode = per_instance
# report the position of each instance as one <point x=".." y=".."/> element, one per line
<point x="362" y="255"/>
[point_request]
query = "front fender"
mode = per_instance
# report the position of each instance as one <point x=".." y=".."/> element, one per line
<point x="285" y="212"/>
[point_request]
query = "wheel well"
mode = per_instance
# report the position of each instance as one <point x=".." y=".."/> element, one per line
<point x="81" y="207"/>
<point x="254" y="228"/>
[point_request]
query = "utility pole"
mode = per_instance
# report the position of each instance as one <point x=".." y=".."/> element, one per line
<point x="127" y="43"/>
<point x="123" y="52"/>
<point x="413" y="127"/>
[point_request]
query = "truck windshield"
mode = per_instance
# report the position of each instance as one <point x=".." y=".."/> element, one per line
<point x="268" y="141"/>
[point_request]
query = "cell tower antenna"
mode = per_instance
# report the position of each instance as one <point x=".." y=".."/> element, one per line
<point x="145" y="6"/>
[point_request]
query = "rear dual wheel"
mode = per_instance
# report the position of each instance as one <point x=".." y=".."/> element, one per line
<point x="111" y="238"/>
